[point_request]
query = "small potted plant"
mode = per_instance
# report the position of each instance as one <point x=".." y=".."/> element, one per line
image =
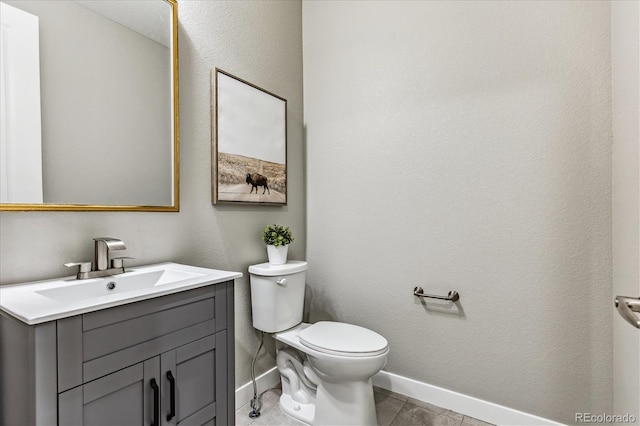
<point x="277" y="238"/>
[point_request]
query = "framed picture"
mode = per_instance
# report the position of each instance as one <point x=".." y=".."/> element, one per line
<point x="249" y="138"/>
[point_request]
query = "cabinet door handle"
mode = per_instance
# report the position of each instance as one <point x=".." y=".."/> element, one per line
<point x="156" y="402"/>
<point x="172" y="396"/>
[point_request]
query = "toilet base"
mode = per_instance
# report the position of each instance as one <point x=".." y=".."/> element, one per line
<point x="345" y="404"/>
<point x="336" y="404"/>
<point x="297" y="410"/>
<point x="321" y="389"/>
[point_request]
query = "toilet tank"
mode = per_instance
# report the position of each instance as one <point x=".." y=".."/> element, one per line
<point x="277" y="295"/>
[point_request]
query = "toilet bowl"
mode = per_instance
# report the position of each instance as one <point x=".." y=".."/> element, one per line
<point x="343" y="394"/>
<point x="326" y="367"/>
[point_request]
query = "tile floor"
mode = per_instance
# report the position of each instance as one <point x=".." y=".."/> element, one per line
<point x="392" y="409"/>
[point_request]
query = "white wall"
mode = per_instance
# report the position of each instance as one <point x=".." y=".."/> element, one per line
<point x="466" y="146"/>
<point x="625" y="58"/>
<point x="260" y="42"/>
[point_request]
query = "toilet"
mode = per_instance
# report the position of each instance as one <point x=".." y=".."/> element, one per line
<point x="326" y="367"/>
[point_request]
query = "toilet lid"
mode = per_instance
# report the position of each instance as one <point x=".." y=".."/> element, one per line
<point x="338" y="338"/>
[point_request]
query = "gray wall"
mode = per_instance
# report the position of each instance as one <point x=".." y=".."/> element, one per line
<point x="466" y="146"/>
<point x="625" y="64"/>
<point x="258" y="41"/>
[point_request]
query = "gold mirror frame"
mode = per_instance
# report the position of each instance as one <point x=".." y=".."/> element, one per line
<point x="176" y="151"/>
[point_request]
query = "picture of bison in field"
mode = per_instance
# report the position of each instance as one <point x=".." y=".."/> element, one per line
<point x="249" y="143"/>
<point x="256" y="180"/>
<point x="237" y="172"/>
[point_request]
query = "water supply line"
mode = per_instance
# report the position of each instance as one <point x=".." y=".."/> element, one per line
<point x="255" y="403"/>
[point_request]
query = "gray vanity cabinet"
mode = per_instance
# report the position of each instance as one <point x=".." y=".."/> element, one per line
<point x="120" y="398"/>
<point x="192" y="366"/>
<point x="177" y="387"/>
<point x="163" y="361"/>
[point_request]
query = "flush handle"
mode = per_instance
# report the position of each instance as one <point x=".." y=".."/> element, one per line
<point x="281" y="281"/>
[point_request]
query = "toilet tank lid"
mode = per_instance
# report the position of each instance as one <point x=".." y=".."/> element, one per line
<point x="269" y="270"/>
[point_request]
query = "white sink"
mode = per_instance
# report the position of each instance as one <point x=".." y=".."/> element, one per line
<point x="117" y="284"/>
<point x="42" y="301"/>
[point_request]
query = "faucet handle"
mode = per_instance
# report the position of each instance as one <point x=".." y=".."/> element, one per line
<point x="118" y="262"/>
<point x="84" y="266"/>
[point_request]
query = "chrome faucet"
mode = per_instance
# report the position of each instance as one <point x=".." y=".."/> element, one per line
<point x="101" y="266"/>
<point x="103" y="246"/>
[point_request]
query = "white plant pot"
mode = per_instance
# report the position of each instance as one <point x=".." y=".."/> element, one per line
<point x="277" y="255"/>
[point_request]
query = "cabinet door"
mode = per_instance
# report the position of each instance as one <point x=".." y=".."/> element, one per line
<point x="194" y="382"/>
<point x="125" y="397"/>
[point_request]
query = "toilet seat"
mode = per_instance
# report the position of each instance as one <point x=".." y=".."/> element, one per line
<point x="337" y="338"/>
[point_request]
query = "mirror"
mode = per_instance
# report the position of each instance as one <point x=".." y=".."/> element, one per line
<point x="89" y="105"/>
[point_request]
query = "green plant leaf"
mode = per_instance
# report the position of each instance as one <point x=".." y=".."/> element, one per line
<point x="277" y="235"/>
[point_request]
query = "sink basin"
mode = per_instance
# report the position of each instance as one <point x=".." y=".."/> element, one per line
<point x="117" y="284"/>
<point x="42" y="301"/>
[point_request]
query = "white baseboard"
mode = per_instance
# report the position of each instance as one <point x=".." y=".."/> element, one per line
<point x="265" y="381"/>
<point x="460" y="403"/>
